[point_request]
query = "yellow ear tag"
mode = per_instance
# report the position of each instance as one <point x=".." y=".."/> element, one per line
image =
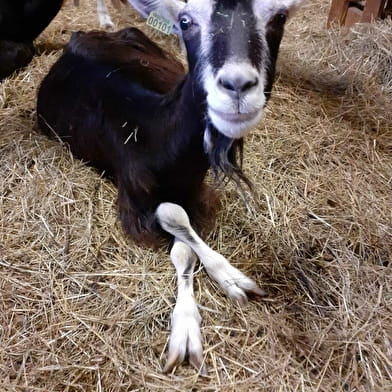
<point x="159" y="23"/>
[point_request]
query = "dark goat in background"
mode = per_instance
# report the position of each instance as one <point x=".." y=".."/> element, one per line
<point x="20" y="24"/>
<point x="125" y="107"/>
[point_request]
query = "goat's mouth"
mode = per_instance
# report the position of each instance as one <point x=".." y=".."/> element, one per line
<point x="235" y="117"/>
<point x="234" y="125"/>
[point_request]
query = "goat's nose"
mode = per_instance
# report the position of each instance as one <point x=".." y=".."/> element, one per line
<point x="238" y="84"/>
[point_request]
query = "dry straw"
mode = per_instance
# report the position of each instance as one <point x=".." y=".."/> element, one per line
<point x="82" y="309"/>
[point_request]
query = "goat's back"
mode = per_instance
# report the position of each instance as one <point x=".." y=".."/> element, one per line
<point x="104" y="84"/>
<point x="102" y="88"/>
<point x="131" y="51"/>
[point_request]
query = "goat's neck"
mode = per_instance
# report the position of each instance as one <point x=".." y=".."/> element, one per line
<point x="185" y="108"/>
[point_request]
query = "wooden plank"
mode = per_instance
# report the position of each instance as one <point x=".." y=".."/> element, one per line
<point x="373" y="10"/>
<point x="337" y="12"/>
<point x="354" y="15"/>
<point x="341" y="12"/>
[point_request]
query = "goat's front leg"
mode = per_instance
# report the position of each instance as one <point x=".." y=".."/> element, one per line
<point x="185" y="336"/>
<point x="103" y="15"/>
<point x="174" y="220"/>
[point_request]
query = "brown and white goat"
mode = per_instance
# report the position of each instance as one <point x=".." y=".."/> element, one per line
<point x="125" y="106"/>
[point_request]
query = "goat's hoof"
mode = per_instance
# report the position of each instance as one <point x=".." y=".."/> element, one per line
<point x="108" y="27"/>
<point x="240" y="296"/>
<point x="236" y="284"/>
<point x="106" y="23"/>
<point x="239" y="288"/>
<point x="185" y="338"/>
<point x="174" y="359"/>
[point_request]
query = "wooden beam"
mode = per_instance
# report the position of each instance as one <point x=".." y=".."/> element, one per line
<point x="345" y="12"/>
<point x="354" y="15"/>
<point x="373" y="10"/>
<point x="338" y="11"/>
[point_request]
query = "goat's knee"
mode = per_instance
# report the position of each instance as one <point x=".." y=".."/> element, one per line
<point x="182" y="254"/>
<point x="171" y="216"/>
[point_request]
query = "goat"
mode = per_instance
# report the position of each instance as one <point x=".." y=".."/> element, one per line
<point x="103" y="13"/>
<point x="20" y="23"/>
<point x="125" y="106"/>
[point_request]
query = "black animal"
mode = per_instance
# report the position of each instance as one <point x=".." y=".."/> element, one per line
<point x="14" y="55"/>
<point x="125" y="106"/>
<point x="21" y="21"/>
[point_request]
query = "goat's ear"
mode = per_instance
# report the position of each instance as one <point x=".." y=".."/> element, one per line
<point x="167" y="8"/>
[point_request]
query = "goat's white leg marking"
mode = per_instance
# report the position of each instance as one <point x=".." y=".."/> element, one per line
<point x="185" y="336"/>
<point x="174" y="220"/>
<point x="103" y="15"/>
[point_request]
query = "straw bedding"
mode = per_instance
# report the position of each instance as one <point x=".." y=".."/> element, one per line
<point x="83" y="309"/>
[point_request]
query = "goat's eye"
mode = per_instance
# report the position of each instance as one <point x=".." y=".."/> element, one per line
<point x="281" y="18"/>
<point x="185" y="22"/>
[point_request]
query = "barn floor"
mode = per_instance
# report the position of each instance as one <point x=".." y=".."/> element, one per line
<point x="82" y="309"/>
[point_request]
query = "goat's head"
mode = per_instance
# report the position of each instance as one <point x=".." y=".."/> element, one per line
<point x="232" y="46"/>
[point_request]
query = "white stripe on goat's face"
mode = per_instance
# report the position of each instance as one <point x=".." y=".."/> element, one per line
<point x="234" y="45"/>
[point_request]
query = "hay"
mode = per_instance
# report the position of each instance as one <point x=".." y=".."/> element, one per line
<point x="82" y="309"/>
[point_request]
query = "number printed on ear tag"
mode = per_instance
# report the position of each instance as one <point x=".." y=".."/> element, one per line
<point x="159" y="23"/>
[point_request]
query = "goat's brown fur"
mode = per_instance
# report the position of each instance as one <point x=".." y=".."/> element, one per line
<point x="105" y="83"/>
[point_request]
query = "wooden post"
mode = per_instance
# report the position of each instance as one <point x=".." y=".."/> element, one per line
<point x="338" y="11"/>
<point x="354" y="15"/>
<point x="346" y="12"/>
<point x="373" y="10"/>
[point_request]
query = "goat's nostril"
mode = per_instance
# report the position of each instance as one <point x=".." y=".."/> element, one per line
<point x="227" y="84"/>
<point x="238" y="84"/>
<point x="249" y="84"/>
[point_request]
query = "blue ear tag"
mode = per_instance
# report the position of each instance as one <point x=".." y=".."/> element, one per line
<point x="158" y="22"/>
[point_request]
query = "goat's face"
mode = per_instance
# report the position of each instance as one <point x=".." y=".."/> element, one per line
<point x="238" y="42"/>
<point x="232" y="47"/>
